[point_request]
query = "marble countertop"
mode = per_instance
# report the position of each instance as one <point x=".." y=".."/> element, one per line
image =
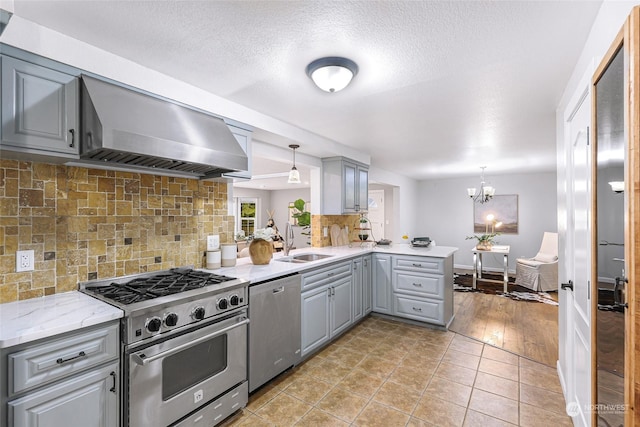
<point x="244" y="269"/>
<point x="32" y="319"/>
<point x="36" y="318"/>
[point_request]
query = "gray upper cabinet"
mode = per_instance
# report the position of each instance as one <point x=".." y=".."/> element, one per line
<point x="345" y="186"/>
<point x="39" y="109"/>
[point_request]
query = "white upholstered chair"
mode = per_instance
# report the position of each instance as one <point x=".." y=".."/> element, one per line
<point x="540" y="273"/>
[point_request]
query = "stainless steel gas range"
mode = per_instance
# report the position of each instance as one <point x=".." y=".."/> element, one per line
<point x="184" y="346"/>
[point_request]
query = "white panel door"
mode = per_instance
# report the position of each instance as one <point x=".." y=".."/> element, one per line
<point x="576" y="312"/>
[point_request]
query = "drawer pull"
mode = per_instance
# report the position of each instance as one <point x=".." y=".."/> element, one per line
<point x="60" y="361"/>
<point x="329" y="274"/>
<point x="416" y="309"/>
<point x="417" y="265"/>
<point x="418" y="285"/>
<point x="113" y="375"/>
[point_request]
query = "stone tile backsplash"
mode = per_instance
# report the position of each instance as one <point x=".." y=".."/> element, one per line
<point x="86" y="224"/>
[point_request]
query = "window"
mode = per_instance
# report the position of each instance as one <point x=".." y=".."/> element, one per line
<point x="246" y="215"/>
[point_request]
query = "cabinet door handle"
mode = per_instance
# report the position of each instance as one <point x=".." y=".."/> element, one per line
<point x="329" y="293"/>
<point x="418" y="285"/>
<point x="73" y="137"/>
<point x="113" y="388"/>
<point x="60" y="361"/>
<point x="416" y="309"/>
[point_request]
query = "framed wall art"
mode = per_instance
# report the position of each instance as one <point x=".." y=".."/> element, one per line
<point x="504" y="209"/>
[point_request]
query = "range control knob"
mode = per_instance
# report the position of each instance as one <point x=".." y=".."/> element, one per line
<point x="153" y="325"/>
<point x="171" y="319"/>
<point x="234" y="300"/>
<point x="223" y="304"/>
<point x="198" y="313"/>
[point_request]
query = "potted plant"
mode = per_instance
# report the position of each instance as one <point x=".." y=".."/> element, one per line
<point x="485" y="241"/>
<point x="303" y="217"/>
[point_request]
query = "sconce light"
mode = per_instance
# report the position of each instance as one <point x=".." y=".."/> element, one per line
<point x="294" y="175"/>
<point x="332" y="74"/>
<point x="617" y="186"/>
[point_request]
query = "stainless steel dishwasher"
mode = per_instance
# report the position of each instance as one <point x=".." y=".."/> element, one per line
<point x="274" y="331"/>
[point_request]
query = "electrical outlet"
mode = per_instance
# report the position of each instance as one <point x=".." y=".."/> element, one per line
<point x="213" y="242"/>
<point x="24" y="261"/>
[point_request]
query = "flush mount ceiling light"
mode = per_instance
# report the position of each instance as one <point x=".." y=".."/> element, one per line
<point x="486" y="191"/>
<point x="332" y="74"/>
<point x="294" y="175"/>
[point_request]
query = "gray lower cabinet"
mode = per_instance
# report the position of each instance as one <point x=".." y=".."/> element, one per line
<point x="87" y="400"/>
<point x="367" y="283"/>
<point x="423" y="288"/>
<point x="326" y="305"/>
<point x="361" y="287"/>
<point x="315" y="319"/>
<point x="382" y="302"/>
<point x="70" y="379"/>
<point x="39" y="109"/>
<point x="358" y="284"/>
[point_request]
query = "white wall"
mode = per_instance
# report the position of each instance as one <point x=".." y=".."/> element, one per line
<point x="446" y="214"/>
<point x="404" y="215"/>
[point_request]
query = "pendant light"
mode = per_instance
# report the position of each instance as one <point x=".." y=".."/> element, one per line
<point x="486" y="191"/>
<point x="294" y="175"/>
<point x="332" y="74"/>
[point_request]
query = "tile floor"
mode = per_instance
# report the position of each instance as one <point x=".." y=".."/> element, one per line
<point x="387" y="373"/>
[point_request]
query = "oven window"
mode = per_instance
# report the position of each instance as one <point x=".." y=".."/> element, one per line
<point x="190" y="367"/>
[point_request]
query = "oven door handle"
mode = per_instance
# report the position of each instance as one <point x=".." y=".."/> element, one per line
<point x="145" y="361"/>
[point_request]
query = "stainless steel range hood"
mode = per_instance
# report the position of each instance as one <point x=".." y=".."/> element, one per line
<point x="127" y="129"/>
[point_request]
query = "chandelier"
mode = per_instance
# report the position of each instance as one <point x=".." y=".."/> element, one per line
<point x="486" y="191"/>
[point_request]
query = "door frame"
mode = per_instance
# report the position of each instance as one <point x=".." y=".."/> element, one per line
<point x="628" y="39"/>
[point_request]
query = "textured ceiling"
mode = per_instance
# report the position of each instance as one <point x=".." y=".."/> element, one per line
<point x="443" y="87"/>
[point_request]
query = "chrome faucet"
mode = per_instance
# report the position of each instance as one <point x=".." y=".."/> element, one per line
<point x="288" y="238"/>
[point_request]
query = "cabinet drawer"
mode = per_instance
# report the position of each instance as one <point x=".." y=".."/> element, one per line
<point x="52" y="360"/>
<point x="323" y="276"/>
<point x="423" y="285"/>
<point x="419" y="309"/>
<point x="423" y="264"/>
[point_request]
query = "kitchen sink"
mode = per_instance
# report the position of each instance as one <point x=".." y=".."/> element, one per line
<point x="310" y="257"/>
<point x="300" y="258"/>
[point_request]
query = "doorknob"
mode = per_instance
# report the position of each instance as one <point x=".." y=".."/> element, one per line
<point x="617" y="292"/>
<point x="567" y="285"/>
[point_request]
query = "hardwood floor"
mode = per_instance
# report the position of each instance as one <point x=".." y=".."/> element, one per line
<point x="528" y="329"/>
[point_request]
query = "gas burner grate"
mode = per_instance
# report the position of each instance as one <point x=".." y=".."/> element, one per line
<point x="162" y="284"/>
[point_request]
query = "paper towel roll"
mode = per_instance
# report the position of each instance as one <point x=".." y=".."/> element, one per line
<point x="229" y="254"/>
<point x="213" y="259"/>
